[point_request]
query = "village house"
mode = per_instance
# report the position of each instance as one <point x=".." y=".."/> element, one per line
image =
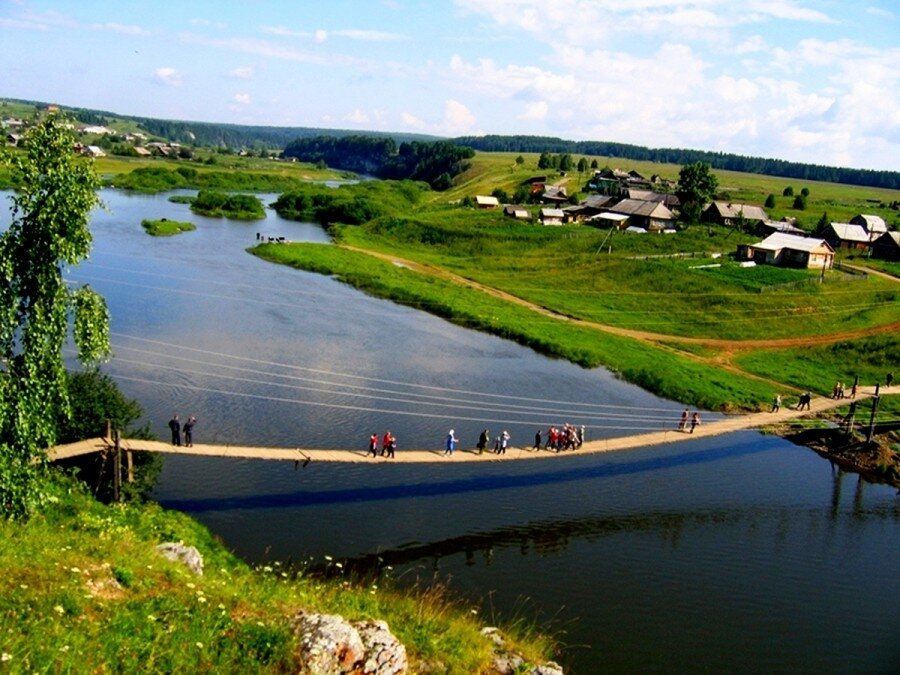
<point x="847" y="236"/>
<point x="730" y="215"/>
<point x="887" y="247"/>
<point x="767" y="227"/>
<point x="142" y="152"/>
<point x="486" y="202"/>
<point x="535" y="184"/>
<point x="789" y="250"/>
<point x="554" y="194"/>
<point x="13" y="139"/>
<point x="671" y="201"/>
<point x="550" y="216"/>
<point x="874" y="225"/>
<point x="651" y="216"/>
<point x="517" y="212"/>
<point x="95" y="129"/>
<point x="93" y="151"/>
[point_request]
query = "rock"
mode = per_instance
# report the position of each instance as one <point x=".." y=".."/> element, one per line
<point x="507" y="662"/>
<point x="187" y="555"/>
<point x="385" y="655"/>
<point x="331" y="645"/>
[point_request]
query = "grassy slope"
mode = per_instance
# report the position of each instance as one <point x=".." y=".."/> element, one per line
<point x="570" y="270"/>
<point x="83" y="590"/>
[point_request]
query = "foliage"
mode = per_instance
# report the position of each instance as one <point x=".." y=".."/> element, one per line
<point x="49" y="230"/>
<point x="99" y="407"/>
<point x="799" y="202"/>
<point x="696" y="186"/>
<point x="163" y="179"/>
<point x="435" y="163"/>
<point x="165" y="227"/>
<point x="770" y="201"/>
<point x="218" y="204"/>
<point x="83" y="590"/>
<point x="788" y="192"/>
<point x="349" y="204"/>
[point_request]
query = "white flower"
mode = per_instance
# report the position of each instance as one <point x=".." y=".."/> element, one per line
<point x="59" y="609"/>
<point x="5" y="657"/>
<point x="201" y="599"/>
<point x="199" y="645"/>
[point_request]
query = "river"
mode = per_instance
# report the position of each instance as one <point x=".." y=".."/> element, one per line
<point x="742" y="553"/>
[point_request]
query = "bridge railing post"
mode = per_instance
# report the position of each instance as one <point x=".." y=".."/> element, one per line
<point x="875" y="399"/>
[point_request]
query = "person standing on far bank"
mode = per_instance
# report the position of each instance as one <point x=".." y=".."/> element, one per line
<point x="175" y="426"/>
<point x="695" y="421"/>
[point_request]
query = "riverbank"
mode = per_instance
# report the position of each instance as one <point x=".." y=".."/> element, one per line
<point x="85" y="588"/>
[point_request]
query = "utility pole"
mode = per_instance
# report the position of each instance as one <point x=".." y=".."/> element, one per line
<point x="875" y="400"/>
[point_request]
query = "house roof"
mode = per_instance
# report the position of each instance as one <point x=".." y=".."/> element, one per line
<point x="782" y="226"/>
<point x="552" y="213"/>
<point x="849" y="232"/>
<point x="871" y="223"/>
<point x="888" y="237"/>
<point x="652" y="196"/>
<point x="638" y="207"/>
<point x="596" y="201"/>
<point x="484" y="200"/>
<point x="779" y="240"/>
<point x="749" y="212"/>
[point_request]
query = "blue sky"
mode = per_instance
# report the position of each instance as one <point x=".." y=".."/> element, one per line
<point x="812" y="81"/>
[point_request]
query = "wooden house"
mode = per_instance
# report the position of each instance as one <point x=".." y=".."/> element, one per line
<point x="730" y="215"/>
<point x="887" y="246"/>
<point x="789" y="250"/>
<point x="517" y="212"/>
<point x="486" y="202"/>
<point x="874" y="225"/>
<point x="847" y="236"/>
<point x="651" y="216"/>
<point x="551" y="216"/>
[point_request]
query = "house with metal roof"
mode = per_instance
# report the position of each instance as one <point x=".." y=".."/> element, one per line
<point x="847" y="236"/>
<point x="486" y="202"/>
<point x="789" y="250"/>
<point x="728" y="214"/>
<point x="874" y="224"/>
<point x="551" y="216"/>
<point x="649" y="215"/>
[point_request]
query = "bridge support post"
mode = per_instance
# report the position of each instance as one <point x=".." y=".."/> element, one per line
<point x="129" y="462"/>
<point x="871" y="431"/>
<point x="117" y="469"/>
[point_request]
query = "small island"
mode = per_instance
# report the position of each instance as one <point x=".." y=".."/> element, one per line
<point x="165" y="227"/>
<point x="221" y="204"/>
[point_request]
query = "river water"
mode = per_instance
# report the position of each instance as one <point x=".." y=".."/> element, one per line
<point x="741" y="553"/>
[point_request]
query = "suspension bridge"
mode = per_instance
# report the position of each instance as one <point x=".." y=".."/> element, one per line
<point x="303" y="455"/>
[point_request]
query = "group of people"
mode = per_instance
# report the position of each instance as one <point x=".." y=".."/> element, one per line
<point x="187" y="428"/>
<point x="804" y="400"/>
<point x="500" y="441"/>
<point x="567" y="437"/>
<point x="838" y="391"/>
<point x="388" y="445"/>
<point x="688" y="422"/>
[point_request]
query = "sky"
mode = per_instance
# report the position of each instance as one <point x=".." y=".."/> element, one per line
<point x="801" y="80"/>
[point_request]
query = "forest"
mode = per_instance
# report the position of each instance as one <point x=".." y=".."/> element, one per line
<point x="717" y="160"/>
<point x="435" y="163"/>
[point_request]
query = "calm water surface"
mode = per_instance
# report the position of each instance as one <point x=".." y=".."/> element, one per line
<point x="740" y="554"/>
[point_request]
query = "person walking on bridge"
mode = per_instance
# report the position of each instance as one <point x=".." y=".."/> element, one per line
<point x="483" y="439"/>
<point x="188" y="429"/>
<point x="373" y="445"/>
<point x="682" y="423"/>
<point x="451" y="443"/>
<point x="388" y="450"/>
<point x="776" y="403"/>
<point x="695" y="421"/>
<point x="175" y="426"/>
<point x="386" y="441"/>
<point x="537" y="440"/>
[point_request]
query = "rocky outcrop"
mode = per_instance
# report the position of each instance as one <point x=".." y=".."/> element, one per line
<point x="507" y="662"/>
<point x="331" y="645"/>
<point x="189" y="556"/>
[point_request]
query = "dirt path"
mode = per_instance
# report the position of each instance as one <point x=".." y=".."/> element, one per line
<point x="729" y="345"/>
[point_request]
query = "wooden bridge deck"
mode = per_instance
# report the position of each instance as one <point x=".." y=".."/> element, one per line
<point x="419" y="456"/>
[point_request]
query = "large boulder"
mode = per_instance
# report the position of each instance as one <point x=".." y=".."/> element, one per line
<point x="189" y="556"/>
<point x="331" y="645"/>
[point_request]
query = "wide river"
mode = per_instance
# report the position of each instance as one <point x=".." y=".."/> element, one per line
<point x="742" y="553"/>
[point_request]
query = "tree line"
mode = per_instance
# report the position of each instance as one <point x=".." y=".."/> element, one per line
<point x="435" y="163"/>
<point x="717" y="160"/>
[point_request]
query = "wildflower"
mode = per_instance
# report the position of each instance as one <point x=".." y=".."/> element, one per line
<point x="5" y="657"/>
<point x="199" y="645"/>
<point x="201" y="599"/>
<point x="328" y="558"/>
<point x="221" y="606"/>
<point x="267" y="569"/>
<point x="23" y="586"/>
<point x="339" y="565"/>
<point x="191" y="585"/>
<point x="74" y="570"/>
<point x="260" y="624"/>
<point x="64" y="648"/>
<point x="151" y="618"/>
<point x="59" y="609"/>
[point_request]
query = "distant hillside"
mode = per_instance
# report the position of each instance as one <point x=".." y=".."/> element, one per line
<point x="213" y="134"/>
<point x="238" y="136"/>
<point x="718" y="160"/>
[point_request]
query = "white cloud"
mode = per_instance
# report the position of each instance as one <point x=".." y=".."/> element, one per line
<point x="357" y="117"/>
<point x="410" y="121"/>
<point x="880" y="12"/>
<point x="168" y="76"/>
<point x="320" y="36"/>
<point x="125" y="29"/>
<point x="754" y="43"/>
<point x="242" y="73"/>
<point x="735" y="90"/>
<point x="207" y="23"/>
<point x="458" y="119"/>
<point x="243" y="99"/>
<point x="535" y="111"/>
<point x="368" y="35"/>
<point x="785" y="9"/>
